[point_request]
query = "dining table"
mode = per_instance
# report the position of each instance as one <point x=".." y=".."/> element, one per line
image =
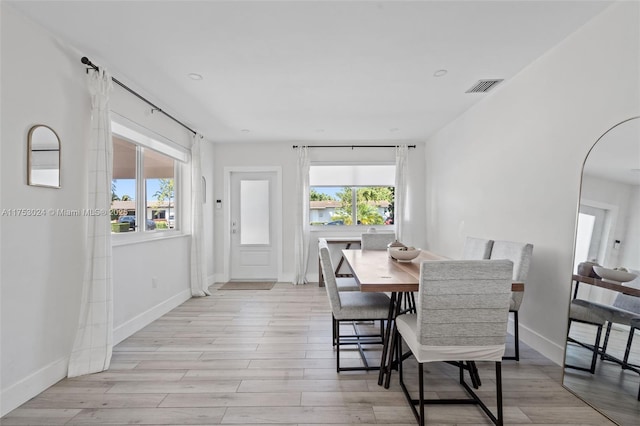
<point x="376" y="271"/>
<point x="609" y="285"/>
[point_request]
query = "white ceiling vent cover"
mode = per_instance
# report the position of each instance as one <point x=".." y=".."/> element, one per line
<point x="483" y="86"/>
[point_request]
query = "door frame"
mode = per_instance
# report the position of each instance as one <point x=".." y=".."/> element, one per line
<point x="277" y="197"/>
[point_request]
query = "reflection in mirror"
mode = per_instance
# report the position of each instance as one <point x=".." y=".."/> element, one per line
<point x="602" y="358"/>
<point x="43" y="157"/>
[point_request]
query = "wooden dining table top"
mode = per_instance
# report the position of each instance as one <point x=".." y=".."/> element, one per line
<point x="375" y="271"/>
<point x="608" y="285"/>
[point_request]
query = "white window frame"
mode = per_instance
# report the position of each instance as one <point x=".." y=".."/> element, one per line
<point x="355" y="228"/>
<point x="143" y="138"/>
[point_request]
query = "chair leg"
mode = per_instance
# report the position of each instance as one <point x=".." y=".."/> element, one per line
<point x="594" y="348"/>
<point x="421" y="391"/>
<point x="499" y="420"/>
<point x="627" y="350"/>
<point x="337" y="328"/>
<point x="516" y="337"/>
<point x="333" y="329"/>
<point x="603" y="354"/>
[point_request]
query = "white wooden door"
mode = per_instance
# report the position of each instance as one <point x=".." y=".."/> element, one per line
<point x="253" y="251"/>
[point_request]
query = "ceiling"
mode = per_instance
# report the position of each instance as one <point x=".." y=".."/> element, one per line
<point x="306" y="71"/>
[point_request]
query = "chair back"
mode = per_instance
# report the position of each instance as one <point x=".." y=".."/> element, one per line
<point x="519" y="253"/>
<point x="626" y="301"/>
<point x="377" y="241"/>
<point x="330" y="283"/>
<point x="477" y="248"/>
<point x="464" y="302"/>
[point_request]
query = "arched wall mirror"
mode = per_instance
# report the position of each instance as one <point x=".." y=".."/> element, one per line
<point x="602" y="357"/>
<point x="43" y="157"/>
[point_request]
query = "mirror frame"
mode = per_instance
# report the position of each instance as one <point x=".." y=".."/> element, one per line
<point x="575" y="234"/>
<point x="30" y="181"/>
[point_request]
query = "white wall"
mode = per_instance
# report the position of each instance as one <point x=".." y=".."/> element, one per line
<point x="282" y="155"/>
<point x="509" y="168"/>
<point x="42" y="81"/>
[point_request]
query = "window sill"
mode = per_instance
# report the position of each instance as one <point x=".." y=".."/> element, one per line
<point x="351" y="229"/>
<point x="125" y="238"/>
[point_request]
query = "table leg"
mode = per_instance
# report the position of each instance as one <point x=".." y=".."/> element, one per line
<point x="392" y="340"/>
<point x="387" y="337"/>
<point x="340" y="262"/>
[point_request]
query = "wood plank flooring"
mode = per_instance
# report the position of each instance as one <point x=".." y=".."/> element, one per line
<point x="611" y="389"/>
<point x="265" y="357"/>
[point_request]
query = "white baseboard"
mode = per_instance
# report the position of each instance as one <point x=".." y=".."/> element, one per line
<point x="19" y="393"/>
<point x="285" y="278"/>
<point x="541" y="344"/>
<point x="139" y="322"/>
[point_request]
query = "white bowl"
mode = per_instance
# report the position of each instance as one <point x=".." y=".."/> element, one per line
<point x="403" y="254"/>
<point x="613" y="274"/>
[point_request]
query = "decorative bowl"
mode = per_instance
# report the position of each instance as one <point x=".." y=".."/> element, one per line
<point x="614" y="274"/>
<point x="403" y="254"/>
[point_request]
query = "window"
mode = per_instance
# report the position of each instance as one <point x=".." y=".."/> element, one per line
<point x="143" y="189"/>
<point x="335" y="190"/>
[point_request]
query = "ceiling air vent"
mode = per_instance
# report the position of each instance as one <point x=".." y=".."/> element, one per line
<point x="483" y="86"/>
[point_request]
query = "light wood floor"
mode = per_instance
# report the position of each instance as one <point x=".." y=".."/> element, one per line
<point x="265" y="357"/>
<point x="610" y="389"/>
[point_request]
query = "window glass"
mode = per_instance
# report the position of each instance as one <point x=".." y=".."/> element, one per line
<point x="123" y="186"/>
<point x="335" y="190"/>
<point x="254" y="212"/>
<point x="143" y="188"/>
<point x="159" y="179"/>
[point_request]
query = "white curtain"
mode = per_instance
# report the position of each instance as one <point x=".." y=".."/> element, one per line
<point x="199" y="285"/>
<point x="94" y="337"/>
<point x="400" y="202"/>
<point x="302" y="226"/>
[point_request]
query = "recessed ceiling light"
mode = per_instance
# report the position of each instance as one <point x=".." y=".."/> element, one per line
<point x="245" y="130"/>
<point x="194" y="76"/>
<point x="394" y="129"/>
<point x="440" y="73"/>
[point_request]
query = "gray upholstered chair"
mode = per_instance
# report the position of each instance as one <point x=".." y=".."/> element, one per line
<point x="477" y="248"/>
<point x="352" y="306"/>
<point x="343" y="283"/>
<point x="581" y="311"/>
<point x="625" y="309"/>
<point x="520" y="254"/>
<point x="462" y="315"/>
<point x="377" y="241"/>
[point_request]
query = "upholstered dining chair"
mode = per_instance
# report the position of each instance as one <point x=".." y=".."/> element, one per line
<point x="624" y="310"/>
<point x="477" y="248"/>
<point x="352" y="306"/>
<point x="377" y="240"/>
<point x="462" y="315"/>
<point x="343" y="283"/>
<point x="520" y="254"/>
<point x="581" y="311"/>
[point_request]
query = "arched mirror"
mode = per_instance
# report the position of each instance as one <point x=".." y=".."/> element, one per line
<point x="602" y="356"/>
<point x="43" y="157"/>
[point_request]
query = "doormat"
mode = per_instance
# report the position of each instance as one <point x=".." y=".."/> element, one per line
<point x="247" y="285"/>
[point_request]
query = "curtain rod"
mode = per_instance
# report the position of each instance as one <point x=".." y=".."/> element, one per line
<point x="87" y="62"/>
<point x="351" y="146"/>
